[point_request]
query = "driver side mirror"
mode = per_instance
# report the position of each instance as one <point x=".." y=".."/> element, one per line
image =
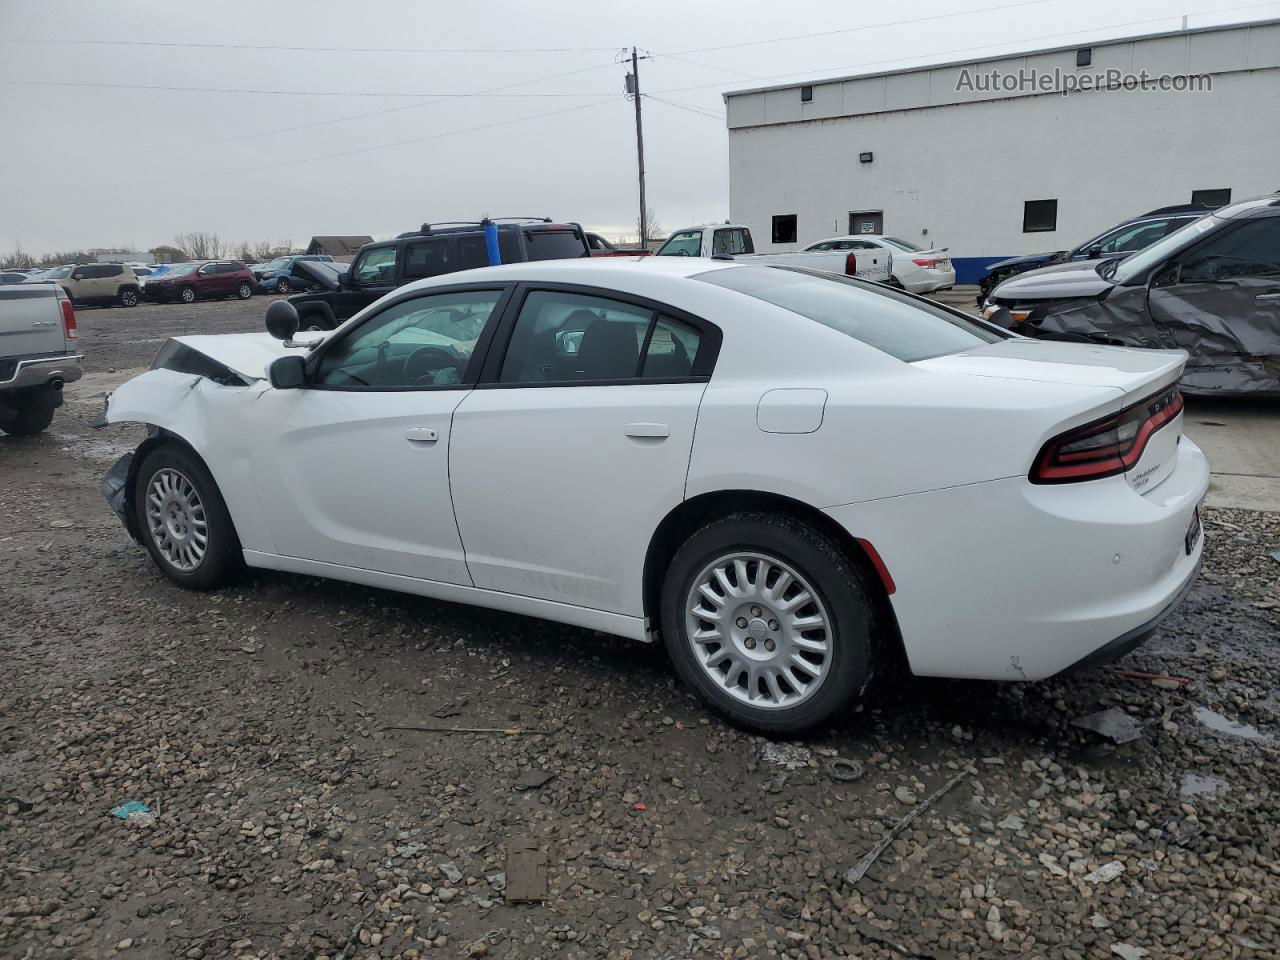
<point x="282" y="320"/>
<point x="288" y="373"/>
<point x="1095" y="252"/>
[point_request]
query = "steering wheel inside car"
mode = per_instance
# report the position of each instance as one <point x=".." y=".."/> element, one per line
<point x="426" y="364"/>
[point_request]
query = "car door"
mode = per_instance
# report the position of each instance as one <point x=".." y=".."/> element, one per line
<point x="372" y="275"/>
<point x="353" y="468"/>
<point x="576" y="442"/>
<point x="1222" y="297"/>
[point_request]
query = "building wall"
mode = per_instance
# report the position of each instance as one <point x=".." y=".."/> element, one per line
<point x="954" y="170"/>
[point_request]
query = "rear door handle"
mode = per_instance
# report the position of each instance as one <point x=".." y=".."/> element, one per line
<point x="653" y="431"/>
<point x="423" y="435"/>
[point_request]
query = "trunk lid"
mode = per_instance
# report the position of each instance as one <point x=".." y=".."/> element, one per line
<point x="30" y="320"/>
<point x="1136" y="374"/>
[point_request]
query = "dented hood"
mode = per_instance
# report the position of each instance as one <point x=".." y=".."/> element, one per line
<point x="248" y="354"/>
<point x="1061" y="281"/>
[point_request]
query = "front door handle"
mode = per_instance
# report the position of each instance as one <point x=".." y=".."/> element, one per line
<point x="652" y="431"/>
<point x="1267" y="297"/>
<point x="422" y="435"/>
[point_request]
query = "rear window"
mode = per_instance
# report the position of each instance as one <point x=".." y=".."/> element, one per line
<point x="554" y="244"/>
<point x="903" y="245"/>
<point x="880" y="317"/>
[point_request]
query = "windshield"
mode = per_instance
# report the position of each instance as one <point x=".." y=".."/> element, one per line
<point x="279" y="263"/>
<point x="57" y="273"/>
<point x="184" y="269"/>
<point x="1126" y="271"/>
<point x="903" y="245"/>
<point x="880" y="317"/>
<point x="685" y="244"/>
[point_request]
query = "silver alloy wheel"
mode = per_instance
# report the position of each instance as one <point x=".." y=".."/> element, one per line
<point x="129" y="298"/>
<point x="176" y="519"/>
<point x="188" y="295"/>
<point x="245" y="291"/>
<point x="282" y="285"/>
<point x="759" y="630"/>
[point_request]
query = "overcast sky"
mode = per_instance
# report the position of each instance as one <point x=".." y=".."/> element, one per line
<point x="89" y="164"/>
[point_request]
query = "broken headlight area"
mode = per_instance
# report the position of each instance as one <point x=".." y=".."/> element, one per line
<point x="180" y="358"/>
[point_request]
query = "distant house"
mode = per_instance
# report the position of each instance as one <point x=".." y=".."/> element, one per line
<point x="340" y="248"/>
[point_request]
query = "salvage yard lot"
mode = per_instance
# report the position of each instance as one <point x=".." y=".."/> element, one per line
<point x="291" y="821"/>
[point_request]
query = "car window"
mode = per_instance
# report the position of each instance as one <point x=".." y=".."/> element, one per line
<point x="731" y="241"/>
<point x="880" y="317"/>
<point x="375" y="266"/>
<point x="824" y="245"/>
<point x="567" y="337"/>
<point x="671" y="350"/>
<point x="1250" y="250"/>
<point x="687" y="243"/>
<point x="426" y="258"/>
<point x="472" y="252"/>
<point x="1136" y="265"/>
<point x="423" y="342"/>
<point x="554" y="244"/>
<point x="903" y="245"/>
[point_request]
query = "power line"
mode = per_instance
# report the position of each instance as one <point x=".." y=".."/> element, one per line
<point x="685" y="106"/>
<point x="869" y="26"/>
<point x="281" y="93"/>
<point x="402" y="143"/>
<point x="264" y="46"/>
<point x="955" y="50"/>
<point x="706" y="66"/>
<point x="357" y="116"/>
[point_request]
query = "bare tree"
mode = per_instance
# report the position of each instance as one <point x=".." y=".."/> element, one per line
<point x="266" y="250"/>
<point x="168" y="254"/>
<point x="18" y="259"/>
<point x="654" y="225"/>
<point x="201" y="246"/>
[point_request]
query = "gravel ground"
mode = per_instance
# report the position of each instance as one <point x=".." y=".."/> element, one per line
<point x="288" y="820"/>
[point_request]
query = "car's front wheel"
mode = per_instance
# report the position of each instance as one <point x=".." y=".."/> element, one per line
<point x="245" y="291"/>
<point x="128" y="297"/>
<point x="184" y="522"/>
<point x="188" y="294"/>
<point x="769" y="622"/>
<point x="282" y="285"/>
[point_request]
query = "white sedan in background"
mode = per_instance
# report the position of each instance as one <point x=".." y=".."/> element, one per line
<point x="914" y="269"/>
<point x="870" y="476"/>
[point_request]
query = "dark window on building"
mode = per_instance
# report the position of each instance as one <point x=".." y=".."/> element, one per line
<point x="1212" y="198"/>
<point x="1039" y="216"/>
<point x="784" y="228"/>
<point x="806" y="94"/>
<point x="1084" y="56"/>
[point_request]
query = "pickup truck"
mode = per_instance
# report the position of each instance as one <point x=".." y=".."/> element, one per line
<point x="432" y="250"/>
<point x="733" y="240"/>
<point x="37" y="354"/>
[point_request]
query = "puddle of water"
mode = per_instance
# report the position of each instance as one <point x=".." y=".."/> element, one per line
<point x="1233" y="728"/>
<point x="1199" y="785"/>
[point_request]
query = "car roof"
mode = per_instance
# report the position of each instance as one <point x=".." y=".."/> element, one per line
<point x="619" y="272"/>
<point x="1268" y="206"/>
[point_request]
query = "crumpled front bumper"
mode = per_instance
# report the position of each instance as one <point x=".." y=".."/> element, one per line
<point x="115" y="487"/>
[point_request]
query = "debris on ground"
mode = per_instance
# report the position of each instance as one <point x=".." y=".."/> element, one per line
<point x="786" y="755"/>
<point x="1106" y="873"/>
<point x="526" y="872"/>
<point x="1127" y="951"/>
<point x="128" y="809"/>
<point x="1112" y="723"/>
<point x="856" y="872"/>
<point x="532" y="779"/>
<point x="843" y="770"/>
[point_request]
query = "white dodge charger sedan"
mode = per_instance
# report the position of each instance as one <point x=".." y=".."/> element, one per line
<point x="789" y="477"/>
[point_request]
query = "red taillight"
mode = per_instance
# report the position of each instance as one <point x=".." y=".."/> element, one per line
<point x="850" y="265"/>
<point x="69" y="320"/>
<point x="1108" y="446"/>
<point x="930" y="264"/>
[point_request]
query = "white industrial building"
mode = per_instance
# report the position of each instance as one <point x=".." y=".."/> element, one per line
<point x="990" y="158"/>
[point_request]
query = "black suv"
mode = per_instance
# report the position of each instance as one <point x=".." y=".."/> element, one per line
<point x="432" y="250"/>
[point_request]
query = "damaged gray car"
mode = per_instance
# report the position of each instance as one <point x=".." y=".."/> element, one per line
<point x="1211" y="288"/>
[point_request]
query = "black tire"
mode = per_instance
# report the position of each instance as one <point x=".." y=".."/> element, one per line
<point x="841" y="588"/>
<point x="28" y="415"/>
<point x="318" y="318"/>
<point x="244" y="291"/>
<point x="187" y="294"/>
<point x="128" y="297"/>
<point x="222" y="558"/>
<point x="282" y="285"/>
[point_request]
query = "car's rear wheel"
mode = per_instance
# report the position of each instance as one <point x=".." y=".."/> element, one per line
<point x="26" y="412"/>
<point x="187" y="294"/>
<point x="245" y="291"/>
<point x="184" y="522"/>
<point x="769" y="622"/>
<point x="282" y="285"/>
<point x="128" y="297"/>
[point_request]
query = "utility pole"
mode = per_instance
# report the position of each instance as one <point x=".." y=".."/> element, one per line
<point x="633" y="88"/>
